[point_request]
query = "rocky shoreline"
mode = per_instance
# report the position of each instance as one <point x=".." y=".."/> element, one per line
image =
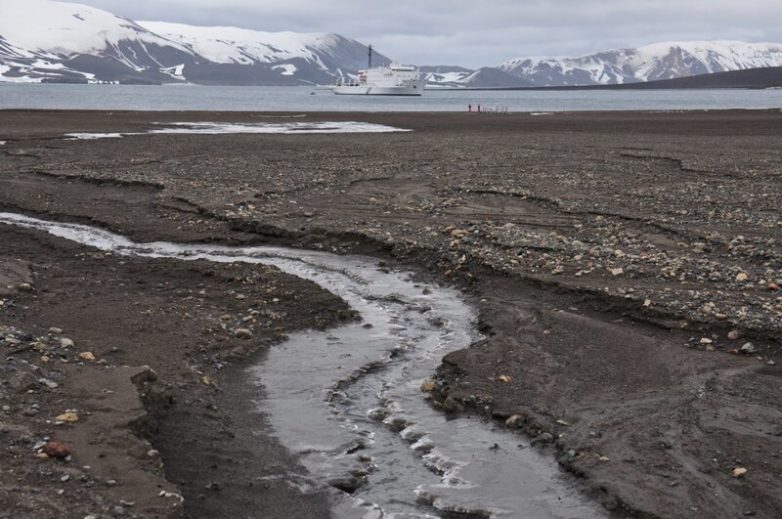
<point x="626" y="268"/>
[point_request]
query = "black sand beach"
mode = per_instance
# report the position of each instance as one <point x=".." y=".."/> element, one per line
<point x="626" y="268"/>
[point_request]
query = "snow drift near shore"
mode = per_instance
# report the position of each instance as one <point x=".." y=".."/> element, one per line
<point x="229" y="128"/>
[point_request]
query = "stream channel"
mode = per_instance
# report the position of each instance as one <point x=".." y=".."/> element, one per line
<point x="348" y="400"/>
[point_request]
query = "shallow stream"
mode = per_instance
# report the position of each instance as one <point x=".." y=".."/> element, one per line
<point x="348" y="400"/>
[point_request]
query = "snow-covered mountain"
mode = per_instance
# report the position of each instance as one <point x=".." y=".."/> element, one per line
<point x="54" y="41"/>
<point x="44" y="40"/>
<point x="310" y="57"/>
<point x="648" y="63"/>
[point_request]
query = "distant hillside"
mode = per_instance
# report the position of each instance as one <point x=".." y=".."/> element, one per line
<point x="758" y="78"/>
<point x="770" y="77"/>
<point x="650" y="63"/>
<point x="653" y="66"/>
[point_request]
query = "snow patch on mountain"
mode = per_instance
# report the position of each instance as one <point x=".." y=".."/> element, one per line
<point x="64" y="29"/>
<point x="245" y="46"/>
<point x="445" y="75"/>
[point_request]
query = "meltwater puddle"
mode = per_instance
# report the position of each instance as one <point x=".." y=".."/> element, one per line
<point x="348" y="400"/>
<point x="207" y="128"/>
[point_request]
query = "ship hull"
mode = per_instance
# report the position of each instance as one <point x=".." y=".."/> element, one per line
<point x="364" y="90"/>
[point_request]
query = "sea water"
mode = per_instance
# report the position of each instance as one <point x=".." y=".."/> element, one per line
<point x="321" y="99"/>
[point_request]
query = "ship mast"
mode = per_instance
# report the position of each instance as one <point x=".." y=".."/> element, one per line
<point x="370" y="57"/>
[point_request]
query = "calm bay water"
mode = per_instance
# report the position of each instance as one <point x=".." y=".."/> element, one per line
<point x="306" y="99"/>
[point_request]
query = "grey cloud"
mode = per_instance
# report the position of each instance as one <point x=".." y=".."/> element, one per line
<point x="475" y="33"/>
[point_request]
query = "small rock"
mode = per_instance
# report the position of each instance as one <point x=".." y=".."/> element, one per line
<point x="69" y="417"/>
<point x="516" y="421"/>
<point x="55" y="449"/>
<point x="243" y="333"/>
<point x="504" y="378"/>
<point x="66" y="342"/>
<point x="87" y="355"/>
<point x="617" y="271"/>
<point x="450" y="405"/>
<point x="48" y="383"/>
<point x="742" y="277"/>
<point x="739" y="472"/>
<point x="748" y="349"/>
<point x="428" y="386"/>
<point x="348" y="484"/>
<point x="166" y="494"/>
<point x="543" y="438"/>
<point x="26" y="287"/>
<point x="55" y="331"/>
<point x="734" y="335"/>
<point x="706" y="340"/>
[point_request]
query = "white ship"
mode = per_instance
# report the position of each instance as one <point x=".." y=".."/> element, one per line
<point x="394" y="80"/>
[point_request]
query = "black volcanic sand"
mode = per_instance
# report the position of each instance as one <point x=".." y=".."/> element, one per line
<point x="626" y="267"/>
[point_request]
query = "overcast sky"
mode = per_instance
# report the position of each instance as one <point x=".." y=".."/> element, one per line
<point x="480" y="32"/>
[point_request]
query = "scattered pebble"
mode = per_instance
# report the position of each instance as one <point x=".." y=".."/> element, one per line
<point x="56" y="449"/>
<point x="748" y="349"/>
<point x="243" y="333"/>
<point x="68" y="417"/>
<point x="739" y="472"/>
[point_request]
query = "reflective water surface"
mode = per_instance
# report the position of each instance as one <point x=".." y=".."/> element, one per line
<point x="316" y="99"/>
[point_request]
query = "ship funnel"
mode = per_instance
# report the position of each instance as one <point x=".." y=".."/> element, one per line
<point x="370" y="57"/>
